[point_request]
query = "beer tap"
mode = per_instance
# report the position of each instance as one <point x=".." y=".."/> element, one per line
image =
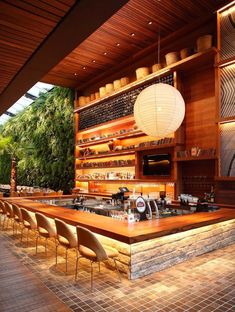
<point x="156" y="209"/>
<point x="149" y="209"/>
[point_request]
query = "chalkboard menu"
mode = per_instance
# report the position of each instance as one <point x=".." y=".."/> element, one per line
<point x="120" y="106"/>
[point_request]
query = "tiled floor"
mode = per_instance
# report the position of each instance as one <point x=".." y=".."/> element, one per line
<point x="206" y="283"/>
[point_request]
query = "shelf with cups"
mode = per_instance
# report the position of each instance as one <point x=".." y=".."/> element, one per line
<point x="124" y="135"/>
<point x="108" y="154"/>
<point x="198" y="158"/>
<point x="127" y="180"/>
<point x="128" y="152"/>
<point x="107" y="164"/>
<point x="189" y="63"/>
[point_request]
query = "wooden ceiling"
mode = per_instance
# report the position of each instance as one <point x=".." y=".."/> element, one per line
<point x="24" y="25"/>
<point x="69" y="42"/>
<point x="37" y="34"/>
<point x="134" y="27"/>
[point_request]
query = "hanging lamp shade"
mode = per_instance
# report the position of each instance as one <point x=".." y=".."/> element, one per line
<point x="159" y="110"/>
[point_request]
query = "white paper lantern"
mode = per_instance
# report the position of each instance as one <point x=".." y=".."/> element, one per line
<point x="159" y="110"/>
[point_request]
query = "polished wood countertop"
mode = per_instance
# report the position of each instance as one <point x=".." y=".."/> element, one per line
<point x="121" y="230"/>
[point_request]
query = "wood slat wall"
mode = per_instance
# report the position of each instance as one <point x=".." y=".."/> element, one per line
<point x="200" y="121"/>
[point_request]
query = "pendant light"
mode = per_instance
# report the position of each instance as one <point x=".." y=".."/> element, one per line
<point x="159" y="109"/>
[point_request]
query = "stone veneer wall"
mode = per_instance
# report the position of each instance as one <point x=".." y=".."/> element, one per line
<point x="124" y="259"/>
<point x="160" y="253"/>
<point x="154" y="255"/>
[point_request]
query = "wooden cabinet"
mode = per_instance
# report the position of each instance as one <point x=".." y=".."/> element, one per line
<point x="110" y="154"/>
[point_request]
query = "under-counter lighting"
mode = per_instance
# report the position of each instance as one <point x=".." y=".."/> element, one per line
<point x="227" y="6"/>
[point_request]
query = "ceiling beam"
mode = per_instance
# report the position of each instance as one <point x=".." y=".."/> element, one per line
<point x="78" y="24"/>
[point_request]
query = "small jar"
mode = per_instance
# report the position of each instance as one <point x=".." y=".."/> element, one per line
<point x="124" y="81"/>
<point x="109" y="87"/>
<point x="102" y="91"/>
<point x="141" y="72"/>
<point x="117" y="84"/>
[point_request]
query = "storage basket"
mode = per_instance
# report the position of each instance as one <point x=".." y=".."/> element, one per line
<point x="171" y="58"/>
<point x="109" y="87"/>
<point x="156" y="67"/>
<point x="124" y="81"/>
<point x="102" y="91"/>
<point x="117" y="84"/>
<point x="141" y="72"/>
<point x="185" y="53"/>
<point x="204" y="43"/>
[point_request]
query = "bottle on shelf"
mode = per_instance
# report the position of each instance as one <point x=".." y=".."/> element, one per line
<point x="212" y="195"/>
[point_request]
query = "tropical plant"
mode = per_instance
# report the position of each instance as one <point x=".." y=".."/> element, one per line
<point x="47" y="126"/>
<point x="7" y="146"/>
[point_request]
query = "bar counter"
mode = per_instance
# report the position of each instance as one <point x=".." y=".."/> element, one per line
<point x="151" y="245"/>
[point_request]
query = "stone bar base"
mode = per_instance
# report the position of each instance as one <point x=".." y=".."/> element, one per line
<point x="154" y="255"/>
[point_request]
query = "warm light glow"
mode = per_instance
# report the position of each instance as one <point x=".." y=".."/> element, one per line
<point x="159" y="110"/>
<point x="226" y="6"/>
<point x="227" y="63"/>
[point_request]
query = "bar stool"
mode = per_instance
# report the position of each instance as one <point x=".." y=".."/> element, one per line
<point x="3" y="213"/>
<point x="14" y="194"/>
<point x="45" y="229"/>
<point x="90" y="248"/>
<point x="10" y="215"/>
<point x="18" y="220"/>
<point x="29" y="223"/>
<point x="65" y="238"/>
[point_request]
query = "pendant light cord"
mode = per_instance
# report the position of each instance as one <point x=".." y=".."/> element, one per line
<point x="158" y="46"/>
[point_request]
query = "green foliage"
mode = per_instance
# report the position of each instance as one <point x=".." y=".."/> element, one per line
<point x="45" y="133"/>
<point x="5" y="168"/>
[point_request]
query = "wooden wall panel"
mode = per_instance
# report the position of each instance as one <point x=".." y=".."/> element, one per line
<point x="199" y="95"/>
<point x="225" y="192"/>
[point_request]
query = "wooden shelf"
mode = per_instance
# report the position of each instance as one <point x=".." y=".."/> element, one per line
<point x="107" y="139"/>
<point x="118" y="153"/>
<point x="108" y="124"/>
<point x="105" y="167"/>
<point x="127" y="181"/>
<point x="192" y="158"/>
<point x="227" y="62"/>
<point x="197" y="59"/>
<point x="150" y="147"/>
<point x="224" y="178"/>
<point x="226" y="119"/>
<point x="128" y="152"/>
<point x="100" y="194"/>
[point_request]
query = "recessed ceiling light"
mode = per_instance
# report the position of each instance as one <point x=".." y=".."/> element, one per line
<point x="84" y="67"/>
<point x="105" y="53"/>
<point x="75" y="74"/>
<point x="118" y="44"/>
<point x="150" y="22"/>
<point x="93" y="61"/>
<point x="132" y="34"/>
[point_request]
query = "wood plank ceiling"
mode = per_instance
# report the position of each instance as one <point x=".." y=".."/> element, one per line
<point x="24" y="25"/>
<point x="133" y="28"/>
<point x="37" y="34"/>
